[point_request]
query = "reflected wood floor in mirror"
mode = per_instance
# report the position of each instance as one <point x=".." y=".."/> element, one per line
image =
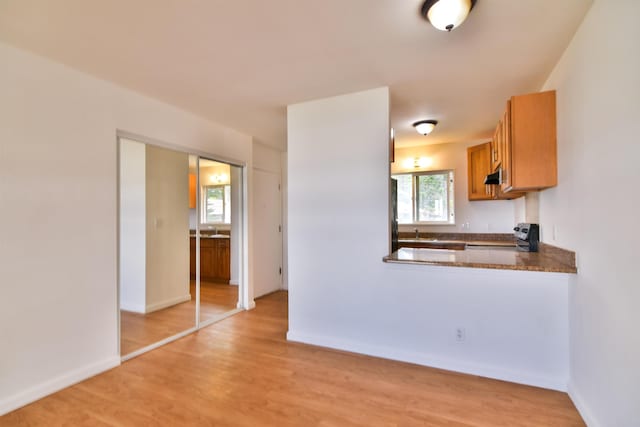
<point x="140" y="330"/>
<point x="241" y="371"/>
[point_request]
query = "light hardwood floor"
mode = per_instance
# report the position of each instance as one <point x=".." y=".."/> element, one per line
<point x="140" y="330"/>
<point x="242" y="372"/>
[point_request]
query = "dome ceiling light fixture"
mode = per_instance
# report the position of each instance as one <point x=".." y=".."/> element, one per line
<point x="446" y="15"/>
<point x="425" y="127"/>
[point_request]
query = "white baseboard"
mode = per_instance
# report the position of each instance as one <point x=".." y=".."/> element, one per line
<point x="233" y="282"/>
<point x="581" y="406"/>
<point x="168" y="303"/>
<point x="133" y="307"/>
<point x="251" y="306"/>
<point x="46" y="388"/>
<point x="488" y="371"/>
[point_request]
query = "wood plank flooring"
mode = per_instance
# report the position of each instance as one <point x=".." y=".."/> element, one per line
<point x="242" y="372"/>
<point x="140" y="330"/>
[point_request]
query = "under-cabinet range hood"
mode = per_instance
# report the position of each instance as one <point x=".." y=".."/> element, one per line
<point x="494" y="178"/>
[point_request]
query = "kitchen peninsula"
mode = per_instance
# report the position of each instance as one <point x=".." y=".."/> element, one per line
<point x="480" y="251"/>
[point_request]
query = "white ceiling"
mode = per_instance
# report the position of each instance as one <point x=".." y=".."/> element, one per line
<point x="240" y="62"/>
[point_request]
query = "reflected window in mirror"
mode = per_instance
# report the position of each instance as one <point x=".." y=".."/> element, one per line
<point x="216" y="208"/>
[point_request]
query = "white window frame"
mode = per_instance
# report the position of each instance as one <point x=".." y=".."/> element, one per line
<point x="414" y="196"/>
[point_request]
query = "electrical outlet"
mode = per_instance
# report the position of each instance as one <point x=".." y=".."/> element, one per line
<point x="461" y="334"/>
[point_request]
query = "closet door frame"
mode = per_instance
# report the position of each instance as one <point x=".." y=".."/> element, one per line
<point x="243" y="292"/>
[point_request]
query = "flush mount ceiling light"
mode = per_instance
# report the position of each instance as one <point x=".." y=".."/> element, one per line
<point x="424" y="127"/>
<point x="218" y="178"/>
<point x="446" y="15"/>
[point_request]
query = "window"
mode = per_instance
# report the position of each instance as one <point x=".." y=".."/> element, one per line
<point x="425" y="197"/>
<point x="216" y="208"/>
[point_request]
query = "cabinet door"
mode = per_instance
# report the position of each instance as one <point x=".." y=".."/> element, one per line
<point x="216" y="266"/>
<point x="495" y="149"/>
<point x="222" y="261"/>
<point x="498" y="194"/>
<point x="206" y="262"/>
<point x="533" y="142"/>
<point x="192" y="257"/>
<point x="478" y="167"/>
<point x="225" y="260"/>
<point x="506" y="149"/>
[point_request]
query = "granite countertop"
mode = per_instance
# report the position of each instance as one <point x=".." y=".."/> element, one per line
<point x="211" y="236"/>
<point x="549" y="258"/>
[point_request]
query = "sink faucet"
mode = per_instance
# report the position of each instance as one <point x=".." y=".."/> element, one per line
<point x="417" y="233"/>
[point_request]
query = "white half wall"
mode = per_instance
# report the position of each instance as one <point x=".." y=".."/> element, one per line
<point x="132" y="226"/>
<point x="59" y="315"/>
<point x="342" y="295"/>
<point x="594" y="209"/>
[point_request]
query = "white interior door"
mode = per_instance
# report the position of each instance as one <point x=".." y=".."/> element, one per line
<point x="267" y="246"/>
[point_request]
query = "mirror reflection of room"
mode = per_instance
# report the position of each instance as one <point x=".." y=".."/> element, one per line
<point x="219" y="219"/>
<point x="156" y="301"/>
<point x="163" y="208"/>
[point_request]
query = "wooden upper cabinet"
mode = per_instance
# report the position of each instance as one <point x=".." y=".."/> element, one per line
<point x="192" y="191"/>
<point x="529" y="158"/>
<point x="498" y="194"/>
<point x="478" y="167"/>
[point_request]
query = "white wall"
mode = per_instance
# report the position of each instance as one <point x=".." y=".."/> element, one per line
<point x="486" y="216"/>
<point x="132" y="226"/>
<point x="342" y="295"/>
<point x="58" y="300"/>
<point x="167" y="228"/>
<point x="266" y="158"/>
<point x="595" y="207"/>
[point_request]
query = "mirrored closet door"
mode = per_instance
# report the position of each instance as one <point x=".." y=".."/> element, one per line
<point x="219" y="219"/>
<point x="179" y="228"/>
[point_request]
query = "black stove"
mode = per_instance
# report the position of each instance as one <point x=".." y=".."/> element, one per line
<point x="527" y="236"/>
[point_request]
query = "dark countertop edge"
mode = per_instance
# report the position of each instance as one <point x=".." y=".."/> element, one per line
<point x="570" y="270"/>
<point x="497" y="243"/>
<point x="465" y="237"/>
